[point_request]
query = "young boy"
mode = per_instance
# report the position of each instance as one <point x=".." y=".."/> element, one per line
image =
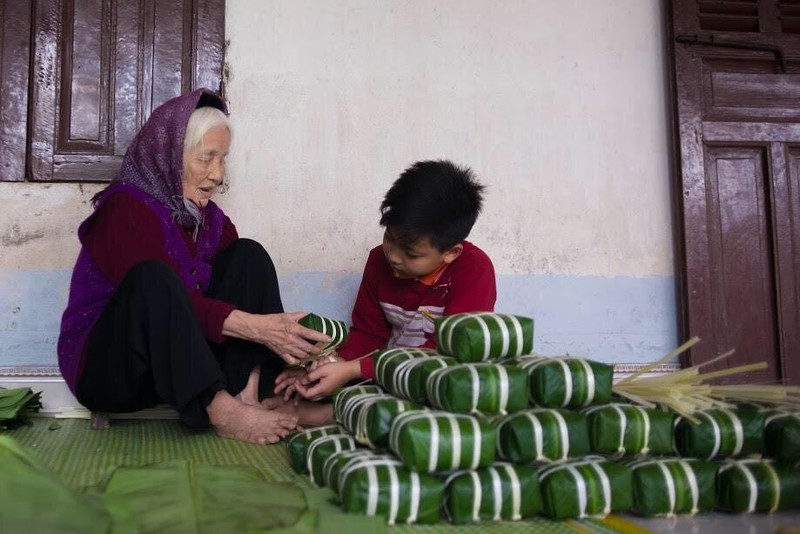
<point x="423" y="269"/>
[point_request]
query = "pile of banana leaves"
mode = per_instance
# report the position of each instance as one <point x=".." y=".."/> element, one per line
<point x="15" y="403"/>
<point x="179" y="496"/>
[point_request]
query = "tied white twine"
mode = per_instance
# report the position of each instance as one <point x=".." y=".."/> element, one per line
<point x="315" y="433"/>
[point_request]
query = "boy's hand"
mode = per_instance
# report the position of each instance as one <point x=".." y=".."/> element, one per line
<point x="287" y="382"/>
<point x="325" y="360"/>
<point x="329" y="378"/>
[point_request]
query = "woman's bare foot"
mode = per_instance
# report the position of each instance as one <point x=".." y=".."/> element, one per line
<point x="249" y="395"/>
<point x="308" y="413"/>
<point x="232" y="418"/>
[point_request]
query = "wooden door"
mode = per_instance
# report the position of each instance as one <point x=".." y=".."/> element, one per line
<point x="15" y="55"/>
<point x="99" y="67"/>
<point x="736" y="82"/>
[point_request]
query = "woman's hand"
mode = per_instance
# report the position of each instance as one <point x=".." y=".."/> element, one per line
<point x="278" y="331"/>
<point x="329" y="378"/>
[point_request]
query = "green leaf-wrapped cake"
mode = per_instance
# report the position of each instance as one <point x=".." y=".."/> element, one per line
<point x="433" y="441"/>
<point x="485" y="336"/>
<point x="499" y="492"/>
<point x="665" y="487"/>
<point x="542" y="435"/>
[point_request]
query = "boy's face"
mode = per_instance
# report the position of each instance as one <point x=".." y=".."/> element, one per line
<point x="418" y="259"/>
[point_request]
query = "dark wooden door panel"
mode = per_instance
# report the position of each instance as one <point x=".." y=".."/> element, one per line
<point x="787" y="225"/>
<point x="102" y="66"/>
<point x="15" y="50"/>
<point x="740" y="252"/>
<point x="736" y="79"/>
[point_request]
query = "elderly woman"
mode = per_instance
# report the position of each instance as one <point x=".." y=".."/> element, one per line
<point x="167" y="304"/>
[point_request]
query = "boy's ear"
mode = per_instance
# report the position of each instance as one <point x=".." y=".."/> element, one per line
<point x="453" y="252"/>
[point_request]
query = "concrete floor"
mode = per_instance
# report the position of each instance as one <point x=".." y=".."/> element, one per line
<point x="717" y="523"/>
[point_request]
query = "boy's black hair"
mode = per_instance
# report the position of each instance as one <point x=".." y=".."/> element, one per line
<point x="434" y="199"/>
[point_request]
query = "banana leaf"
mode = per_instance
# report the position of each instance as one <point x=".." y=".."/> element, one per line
<point x="666" y="487"/>
<point x="479" y="388"/>
<point x="483" y="336"/>
<point x="500" y="492"/>
<point x="182" y="496"/>
<point x="628" y="430"/>
<point x="587" y="487"/>
<point x="404" y="372"/>
<point x="542" y="435"/>
<point x="782" y="436"/>
<point x="34" y="500"/>
<point x="720" y="433"/>
<point x="297" y="445"/>
<point x="566" y="382"/>
<point x="757" y="486"/>
<point x="15" y="403"/>
<point x="434" y="441"/>
<point x="337" y="330"/>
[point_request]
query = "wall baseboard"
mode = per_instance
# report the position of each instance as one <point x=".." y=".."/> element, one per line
<point x="59" y="402"/>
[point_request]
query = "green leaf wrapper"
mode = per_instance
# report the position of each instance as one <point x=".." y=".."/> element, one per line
<point x="395" y="492"/>
<point x="757" y="486"/>
<point x="341" y="396"/>
<point x="404" y="372"/>
<point x="479" y="388"/>
<point x="35" y="500"/>
<point x="337" y="330"/>
<point x="584" y="488"/>
<point x="666" y="487"/>
<point x="721" y="433"/>
<point x="374" y="422"/>
<point x="351" y="409"/>
<point x="628" y="430"/>
<point x="782" y="436"/>
<point x="566" y="382"/>
<point x="321" y="448"/>
<point x="431" y="441"/>
<point x="297" y="445"/>
<point x="542" y="435"/>
<point x="338" y="460"/>
<point x="500" y="492"/>
<point x="485" y="336"/>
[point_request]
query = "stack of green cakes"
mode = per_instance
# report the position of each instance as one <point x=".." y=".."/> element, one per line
<point x="483" y="429"/>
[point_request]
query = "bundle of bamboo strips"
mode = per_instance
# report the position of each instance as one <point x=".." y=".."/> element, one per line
<point x="687" y="391"/>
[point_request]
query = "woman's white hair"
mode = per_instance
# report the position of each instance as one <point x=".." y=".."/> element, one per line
<point x="200" y="122"/>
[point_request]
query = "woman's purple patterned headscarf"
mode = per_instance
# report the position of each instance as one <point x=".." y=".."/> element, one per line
<point x="154" y="160"/>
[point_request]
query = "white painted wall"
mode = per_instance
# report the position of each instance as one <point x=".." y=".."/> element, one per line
<point x="558" y="105"/>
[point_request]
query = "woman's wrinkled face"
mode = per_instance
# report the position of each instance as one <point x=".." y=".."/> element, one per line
<point x="204" y="166"/>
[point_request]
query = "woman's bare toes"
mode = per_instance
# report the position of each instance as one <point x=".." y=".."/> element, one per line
<point x="253" y="424"/>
